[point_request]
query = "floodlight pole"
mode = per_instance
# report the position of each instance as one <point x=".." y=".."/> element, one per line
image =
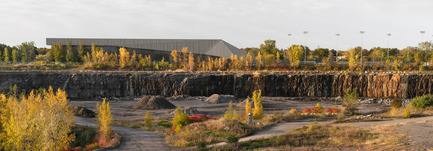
<point x="305" y="46"/>
<point x="336" y="51"/>
<point x="362" y="42"/>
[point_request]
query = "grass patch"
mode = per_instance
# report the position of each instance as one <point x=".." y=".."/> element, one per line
<point x="330" y="136"/>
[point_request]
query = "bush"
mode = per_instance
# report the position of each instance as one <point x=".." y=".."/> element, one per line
<point x="165" y="124"/>
<point x="83" y="136"/>
<point x="180" y="120"/>
<point x="406" y="112"/>
<point x="350" y="101"/>
<point x="148" y="120"/>
<point x="232" y="138"/>
<point x="396" y="103"/>
<point x="422" y="102"/>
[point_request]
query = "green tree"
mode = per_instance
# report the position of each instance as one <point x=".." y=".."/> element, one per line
<point x="350" y="101"/>
<point x="6" y="55"/>
<point x="320" y="54"/>
<point x="80" y="51"/>
<point x="26" y="48"/>
<point x="71" y="54"/>
<point x="58" y="52"/>
<point x="15" y="56"/>
<point x="268" y="47"/>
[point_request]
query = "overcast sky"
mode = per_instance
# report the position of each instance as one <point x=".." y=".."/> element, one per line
<point x="243" y="23"/>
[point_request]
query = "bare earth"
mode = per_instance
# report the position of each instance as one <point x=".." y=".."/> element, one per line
<point x="419" y="129"/>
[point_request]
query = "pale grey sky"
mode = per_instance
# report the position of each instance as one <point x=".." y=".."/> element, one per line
<point x="243" y="23"/>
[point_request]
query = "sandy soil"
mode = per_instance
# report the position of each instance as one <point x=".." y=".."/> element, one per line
<point x="122" y="111"/>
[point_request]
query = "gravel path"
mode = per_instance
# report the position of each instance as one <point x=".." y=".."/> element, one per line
<point x="133" y="139"/>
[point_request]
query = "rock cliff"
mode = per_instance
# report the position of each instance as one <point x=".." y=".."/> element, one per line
<point x="92" y="85"/>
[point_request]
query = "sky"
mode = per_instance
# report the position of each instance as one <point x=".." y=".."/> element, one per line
<point x="243" y="23"/>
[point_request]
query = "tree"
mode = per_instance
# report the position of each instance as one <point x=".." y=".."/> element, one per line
<point x="191" y="61"/>
<point x="278" y="57"/>
<point x="350" y="101"/>
<point x="58" y="52"/>
<point x="259" y="60"/>
<point x="395" y="65"/>
<point x="175" y="55"/>
<point x="268" y="47"/>
<point x="80" y="51"/>
<point x="26" y="48"/>
<point x="71" y="55"/>
<point x="352" y="62"/>
<point x="231" y="112"/>
<point x="15" y="56"/>
<point x="258" y="107"/>
<point x="185" y="57"/>
<point x="123" y="57"/>
<point x="104" y="121"/>
<point x="248" y="106"/>
<point x="295" y="53"/>
<point x="148" y="120"/>
<point x="320" y="53"/>
<point x="6" y="55"/>
<point x="39" y="121"/>
<point x="180" y="120"/>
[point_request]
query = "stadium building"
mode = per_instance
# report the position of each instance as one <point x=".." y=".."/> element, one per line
<point x="157" y="48"/>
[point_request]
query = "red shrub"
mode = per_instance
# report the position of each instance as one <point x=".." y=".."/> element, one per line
<point x="199" y="118"/>
<point x="313" y="110"/>
<point x="328" y="110"/>
<point x="306" y="110"/>
<point x="334" y="110"/>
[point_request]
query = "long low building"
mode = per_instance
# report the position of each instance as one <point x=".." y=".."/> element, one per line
<point x="157" y="48"/>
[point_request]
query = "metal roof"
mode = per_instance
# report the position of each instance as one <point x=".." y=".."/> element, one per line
<point x="211" y="47"/>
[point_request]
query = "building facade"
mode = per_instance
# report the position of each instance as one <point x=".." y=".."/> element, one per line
<point x="157" y="48"/>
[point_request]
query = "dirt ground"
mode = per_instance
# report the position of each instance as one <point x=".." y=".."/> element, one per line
<point x="122" y="111"/>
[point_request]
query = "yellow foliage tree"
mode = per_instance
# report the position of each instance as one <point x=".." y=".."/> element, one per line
<point x="191" y="61"/>
<point x="248" y="109"/>
<point x="185" y="57"/>
<point x="104" y="121"/>
<point x="37" y="122"/>
<point x="123" y="57"/>
<point x="258" y="107"/>
<point x="259" y="60"/>
<point x="148" y="120"/>
<point x="175" y="56"/>
<point x="352" y="62"/>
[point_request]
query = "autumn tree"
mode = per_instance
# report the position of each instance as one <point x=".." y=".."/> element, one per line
<point x="39" y="121"/>
<point x="278" y="57"/>
<point x="180" y="120"/>
<point x="185" y="57"/>
<point x="15" y="56"/>
<point x="124" y="57"/>
<point x="148" y="120"/>
<point x="231" y="113"/>
<point x="248" y="106"/>
<point x="104" y="121"/>
<point x="258" y="107"/>
<point x="191" y="61"/>
<point x="296" y="53"/>
<point x="175" y="56"/>
<point x="259" y="60"/>
<point x="58" y="52"/>
<point x="80" y="51"/>
<point x="6" y="55"/>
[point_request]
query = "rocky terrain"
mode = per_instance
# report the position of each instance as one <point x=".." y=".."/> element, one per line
<point x="96" y="85"/>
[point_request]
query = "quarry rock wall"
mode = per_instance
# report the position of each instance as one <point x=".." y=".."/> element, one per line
<point x="93" y="85"/>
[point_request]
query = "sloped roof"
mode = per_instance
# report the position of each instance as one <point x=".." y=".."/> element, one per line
<point x="211" y="47"/>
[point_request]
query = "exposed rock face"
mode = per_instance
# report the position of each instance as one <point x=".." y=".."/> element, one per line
<point x="96" y="85"/>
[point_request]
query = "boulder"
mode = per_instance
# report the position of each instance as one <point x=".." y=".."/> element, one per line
<point x="152" y="103"/>
<point x="218" y="98"/>
<point x="82" y="111"/>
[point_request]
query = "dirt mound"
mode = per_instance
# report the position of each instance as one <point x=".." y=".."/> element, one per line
<point x="83" y="112"/>
<point x="217" y="98"/>
<point x="153" y="103"/>
<point x="242" y="104"/>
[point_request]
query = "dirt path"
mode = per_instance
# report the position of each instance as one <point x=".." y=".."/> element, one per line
<point x="133" y="139"/>
<point x="409" y="127"/>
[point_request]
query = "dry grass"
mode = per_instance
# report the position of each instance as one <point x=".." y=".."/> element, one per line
<point x="333" y="138"/>
<point x="207" y="132"/>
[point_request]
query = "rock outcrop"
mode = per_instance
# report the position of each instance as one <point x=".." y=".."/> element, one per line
<point x="97" y="85"/>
